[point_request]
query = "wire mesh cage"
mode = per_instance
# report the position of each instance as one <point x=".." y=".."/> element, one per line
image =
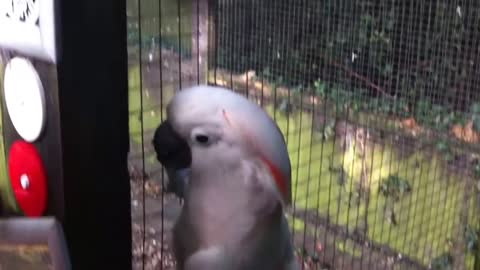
<point x="379" y="104"/>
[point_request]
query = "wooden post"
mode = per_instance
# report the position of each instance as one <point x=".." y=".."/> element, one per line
<point x="200" y="38"/>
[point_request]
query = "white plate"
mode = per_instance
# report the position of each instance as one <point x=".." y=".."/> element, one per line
<point x="24" y="98"/>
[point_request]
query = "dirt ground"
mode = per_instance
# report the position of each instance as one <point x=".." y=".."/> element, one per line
<point x="157" y="219"/>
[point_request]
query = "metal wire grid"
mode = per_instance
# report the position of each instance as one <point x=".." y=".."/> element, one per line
<point x="247" y="36"/>
<point x="165" y="56"/>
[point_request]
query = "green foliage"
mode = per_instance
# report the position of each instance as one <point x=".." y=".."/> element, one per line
<point x="476" y="122"/>
<point x="329" y="129"/>
<point x="320" y="88"/>
<point x="476" y="169"/>
<point x="433" y="116"/>
<point x="443" y="147"/>
<point x="475" y="109"/>
<point x="471" y="238"/>
<point x="394" y="187"/>
<point x="173" y="36"/>
<point x="475" y="116"/>
<point x="418" y="55"/>
<point x="442" y="262"/>
<point x="342" y="176"/>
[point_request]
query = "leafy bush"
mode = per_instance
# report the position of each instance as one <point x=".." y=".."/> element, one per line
<point x="423" y="53"/>
<point x="394" y="187"/>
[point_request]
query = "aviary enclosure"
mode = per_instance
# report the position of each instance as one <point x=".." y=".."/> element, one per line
<point x="379" y="102"/>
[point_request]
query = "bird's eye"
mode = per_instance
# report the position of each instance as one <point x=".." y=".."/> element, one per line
<point x="200" y="138"/>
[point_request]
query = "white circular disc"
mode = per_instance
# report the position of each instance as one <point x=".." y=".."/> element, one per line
<point x="24" y="98"/>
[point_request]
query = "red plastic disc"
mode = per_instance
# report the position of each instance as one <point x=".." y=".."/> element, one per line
<point x="28" y="178"/>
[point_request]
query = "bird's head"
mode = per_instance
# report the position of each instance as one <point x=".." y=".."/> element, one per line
<point x="220" y="128"/>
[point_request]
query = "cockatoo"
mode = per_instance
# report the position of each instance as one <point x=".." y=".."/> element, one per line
<point x="236" y="185"/>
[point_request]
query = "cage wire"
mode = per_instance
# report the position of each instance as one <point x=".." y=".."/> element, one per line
<point x="378" y="101"/>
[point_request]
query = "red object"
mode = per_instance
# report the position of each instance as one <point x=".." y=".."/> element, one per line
<point x="28" y="178"/>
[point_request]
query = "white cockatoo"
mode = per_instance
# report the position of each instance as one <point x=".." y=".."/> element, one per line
<point x="235" y="180"/>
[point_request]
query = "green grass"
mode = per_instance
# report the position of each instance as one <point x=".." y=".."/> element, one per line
<point x="151" y="112"/>
<point x="350" y="248"/>
<point x="426" y="217"/>
<point x="295" y="223"/>
<point x="151" y="108"/>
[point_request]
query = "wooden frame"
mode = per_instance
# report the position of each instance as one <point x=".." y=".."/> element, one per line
<point x="93" y="120"/>
<point x="34" y="232"/>
<point x="36" y="40"/>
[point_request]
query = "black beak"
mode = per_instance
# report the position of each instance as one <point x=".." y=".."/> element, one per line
<point x="173" y="152"/>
